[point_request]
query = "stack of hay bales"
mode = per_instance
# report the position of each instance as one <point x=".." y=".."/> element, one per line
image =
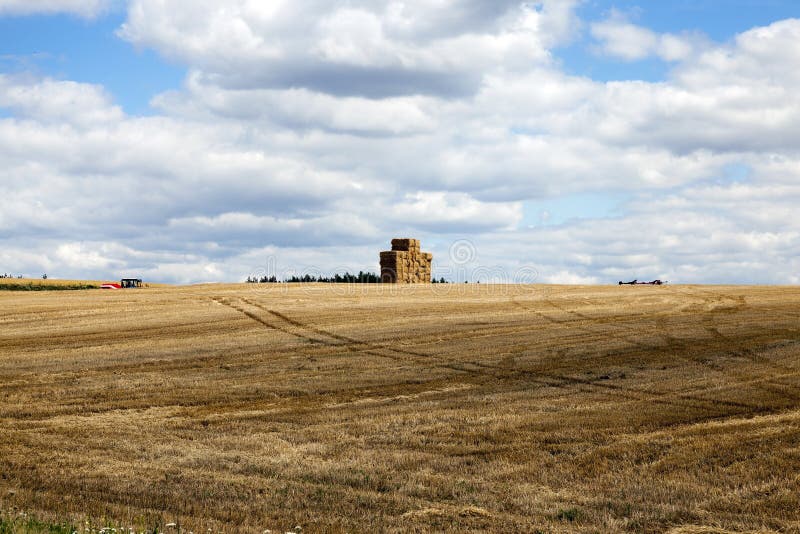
<point x="406" y="263"/>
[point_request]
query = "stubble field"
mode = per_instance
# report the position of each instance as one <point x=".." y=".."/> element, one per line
<point x="240" y="408"/>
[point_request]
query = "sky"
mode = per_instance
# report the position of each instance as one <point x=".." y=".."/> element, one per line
<point x="551" y="141"/>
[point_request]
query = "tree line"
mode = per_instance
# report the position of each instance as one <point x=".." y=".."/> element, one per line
<point x="346" y="278"/>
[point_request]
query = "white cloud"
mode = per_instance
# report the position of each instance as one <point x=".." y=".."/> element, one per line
<point x="318" y="137"/>
<point x="453" y="212"/>
<point x="80" y="256"/>
<point x="622" y="39"/>
<point x="757" y="59"/>
<point x="568" y="278"/>
<point x="82" y="8"/>
<point x="353" y="48"/>
<point x="301" y="108"/>
<point x="57" y="101"/>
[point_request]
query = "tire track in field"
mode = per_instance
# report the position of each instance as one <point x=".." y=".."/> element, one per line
<point x="711" y="324"/>
<point x="580" y="319"/>
<point x="490" y="331"/>
<point x="403" y="355"/>
<point x="349" y="341"/>
<point x="106" y="336"/>
<point x="268" y="324"/>
<point x="499" y="372"/>
<point x="682" y="349"/>
<point x="671" y="343"/>
<point x="398" y="354"/>
<point x="364" y="346"/>
<point x="511" y="372"/>
<point x="300" y="330"/>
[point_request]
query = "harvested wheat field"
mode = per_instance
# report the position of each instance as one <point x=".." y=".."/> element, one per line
<point x="36" y="284"/>
<point x="241" y="408"/>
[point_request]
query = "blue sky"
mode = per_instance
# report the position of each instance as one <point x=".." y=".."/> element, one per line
<point x="720" y="20"/>
<point x="310" y="133"/>
<point x="72" y="48"/>
<point x="67" y="46"/>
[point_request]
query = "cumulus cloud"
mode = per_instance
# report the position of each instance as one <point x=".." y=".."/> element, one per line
<point x="57" y="101"/>
<point x="313" y="132"/>
<point x="620" y="38"/>
<point x="453" y="213"/>
<point x="301" y="108"/>
<point x="351" y="48"/>
<point x="82" y="8"/>
<point x="756" y="59"/>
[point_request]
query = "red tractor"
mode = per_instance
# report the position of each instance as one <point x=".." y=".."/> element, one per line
<point x="125" y="283"/>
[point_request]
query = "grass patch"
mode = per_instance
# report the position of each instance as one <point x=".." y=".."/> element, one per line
<point x="46" y="287"/>
<point x="31" y="525"/>
<point x="570" y="514"/>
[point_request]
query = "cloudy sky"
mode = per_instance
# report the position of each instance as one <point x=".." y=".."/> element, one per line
<point x="565" y="141"/>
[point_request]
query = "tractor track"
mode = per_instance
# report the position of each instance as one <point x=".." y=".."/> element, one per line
<point x="187" y="328"/>
<point x="681" y="348"/>
<point x="360" y="345"/>
<point x="710" y="322"/>
<point x="485" y="332"/>
<point x="681" y="400"/>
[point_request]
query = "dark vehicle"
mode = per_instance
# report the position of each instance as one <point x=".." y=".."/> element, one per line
<point x="126" y="283"/>
<point x="638" y="283"/>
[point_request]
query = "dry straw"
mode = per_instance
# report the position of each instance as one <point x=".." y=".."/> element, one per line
<point x="406" y="263"/>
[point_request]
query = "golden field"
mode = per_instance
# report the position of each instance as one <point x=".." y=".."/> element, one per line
<point x="374" y="408"/>
<point x="49" y="282"/>
<point x="53" y="283"/>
